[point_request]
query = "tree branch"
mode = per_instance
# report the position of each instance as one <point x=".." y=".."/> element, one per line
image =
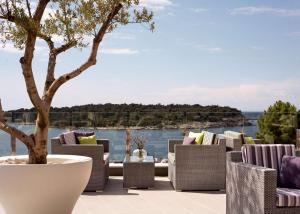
<point x="47" y="39"/>
<point x="26" y="62"/>
<point x="40" y="10"/>
<point x="52" y="63"/>
<point x="89" y="62"/>
<point x="27" y="140"/>
<point x="65" y="47"/>
<point x="50" y="71"/>
<point x="28" y="8"/>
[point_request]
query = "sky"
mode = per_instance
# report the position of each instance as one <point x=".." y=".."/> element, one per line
<point x="244" y="54"/>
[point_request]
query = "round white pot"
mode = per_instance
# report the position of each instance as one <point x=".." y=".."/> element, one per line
<point x="51" y="188"/>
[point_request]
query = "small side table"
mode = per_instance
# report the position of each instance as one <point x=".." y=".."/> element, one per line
<point x="138" y="173"/>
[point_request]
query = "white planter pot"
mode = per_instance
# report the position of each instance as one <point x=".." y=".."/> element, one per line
<point x="50" y="188"/>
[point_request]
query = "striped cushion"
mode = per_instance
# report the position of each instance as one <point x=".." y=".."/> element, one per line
<point x="287" y="197"/>
<point x="209" y="138"/>
<point x="69" y="137"/>
<point x="269" y="156"/>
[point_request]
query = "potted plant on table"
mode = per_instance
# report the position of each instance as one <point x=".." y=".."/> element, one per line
<point x="77" y="24"/>
<point x="139" y="142"/>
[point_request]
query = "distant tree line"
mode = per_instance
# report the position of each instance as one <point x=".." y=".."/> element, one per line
<point x="129" y="115"/>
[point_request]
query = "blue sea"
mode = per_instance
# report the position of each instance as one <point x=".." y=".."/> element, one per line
<point x="157" y="144"/>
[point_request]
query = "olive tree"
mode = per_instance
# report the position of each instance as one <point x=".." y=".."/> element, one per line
<point x="278" y="124"/>
<point x="80" y="24"/>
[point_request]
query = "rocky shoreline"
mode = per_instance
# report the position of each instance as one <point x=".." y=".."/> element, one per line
<point x="193" y="125"/>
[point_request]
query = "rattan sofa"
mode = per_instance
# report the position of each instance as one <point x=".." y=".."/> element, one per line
<point x="197" y="167"/>
<point x="235" y="140"/>
<point x="100" y="155"/>
<point x="252" y="188"/>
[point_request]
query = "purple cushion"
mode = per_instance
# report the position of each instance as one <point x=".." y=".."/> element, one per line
<point x="82" y="134"/>
<point x="290" y="172"/>
<point x="188" y="140"/>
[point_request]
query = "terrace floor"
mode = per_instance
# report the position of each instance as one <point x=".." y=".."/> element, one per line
<point x="162" y="199"/>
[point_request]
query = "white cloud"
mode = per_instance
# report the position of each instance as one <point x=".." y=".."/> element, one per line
<point x="120" y="51"/>
<point x="156" y="4"/>
<point x="215" y="50"/>
<point x="199" y="10"/>
<point x="255" y="96"/>
<point x="264" y="10"/>
<point x="207" y="48"/>
<point x="41" y="51"/>
<point x="9" y="48"/>
<point x="252" y="96"/>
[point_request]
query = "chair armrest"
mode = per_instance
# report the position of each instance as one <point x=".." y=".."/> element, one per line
<point x="234" y="156"/>
<point x="55" y="140"/>
<point x="257" y="141"/>
<point x="172" y="143"/>
<point x="250" y="187"/>
<point x="105" y="143"/>
<point x="232" y="144"/>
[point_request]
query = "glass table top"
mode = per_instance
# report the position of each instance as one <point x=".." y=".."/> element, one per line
<point x="134" y="159"/>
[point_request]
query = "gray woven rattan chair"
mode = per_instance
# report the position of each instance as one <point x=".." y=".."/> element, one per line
<point x="235" y="140"/>
<point x="253" y="189"/>
<point x="100" y="155"/>
<point x="197" y="167"/>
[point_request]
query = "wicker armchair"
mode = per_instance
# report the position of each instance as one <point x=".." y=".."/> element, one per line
<point x="100" y="155"/>
<point x="253" y="189"/>
<point x="197" y="167"/>
<point x="235" y="140"/>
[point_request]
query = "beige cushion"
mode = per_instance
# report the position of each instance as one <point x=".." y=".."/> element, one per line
<point x="209" y="138"/>
<point x="171" y="157"/>
<point x="237" y="135"/>
<point x="106" y="158"/>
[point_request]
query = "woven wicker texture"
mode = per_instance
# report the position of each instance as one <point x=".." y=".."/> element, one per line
<point x="197" y="167"/>
<point x="99" y="154"/>
<point x="138" y="174"/>
<point x="251" y="189"/>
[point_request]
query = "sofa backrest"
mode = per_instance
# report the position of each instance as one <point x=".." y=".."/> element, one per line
<point x="56" y="143"/>
<point x="269" y="156"/>
<point x="235" y="135"/>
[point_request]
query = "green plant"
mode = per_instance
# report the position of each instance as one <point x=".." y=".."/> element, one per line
<point x="277" y="124"/>
<point x="298" y="119"/>
<point x="139" y="142"/>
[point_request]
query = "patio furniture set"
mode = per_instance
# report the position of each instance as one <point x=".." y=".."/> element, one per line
<point x="250" y="173"/>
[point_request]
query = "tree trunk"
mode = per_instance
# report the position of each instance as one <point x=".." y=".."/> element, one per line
<point x="38" y="154"/>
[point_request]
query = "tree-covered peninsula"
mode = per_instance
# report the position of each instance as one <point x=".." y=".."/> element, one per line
<point x="137" y="116"/>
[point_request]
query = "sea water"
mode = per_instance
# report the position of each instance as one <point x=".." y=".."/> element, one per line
<point x="157" y="140"/>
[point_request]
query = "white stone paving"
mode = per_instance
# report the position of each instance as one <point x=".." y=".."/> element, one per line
<point x="160" y="200"/>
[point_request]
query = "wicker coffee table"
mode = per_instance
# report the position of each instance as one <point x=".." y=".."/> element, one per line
<point x="138" y="173"/>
